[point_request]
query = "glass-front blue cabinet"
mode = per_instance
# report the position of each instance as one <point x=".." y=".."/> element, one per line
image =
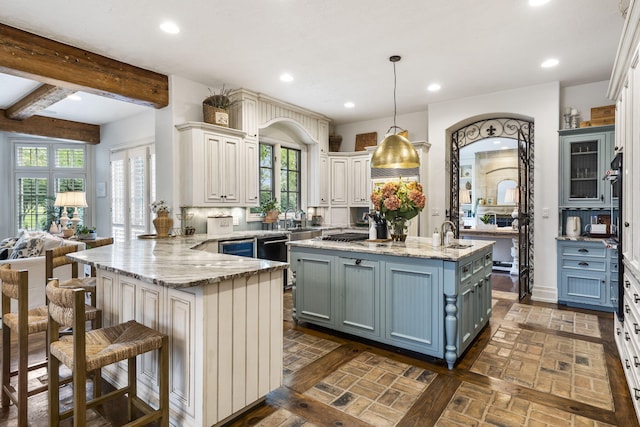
<point x="585" y="155"/>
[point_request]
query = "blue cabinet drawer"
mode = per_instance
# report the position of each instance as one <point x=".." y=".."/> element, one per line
<point x="587" y="264"/>
<point x="583" y="250"/>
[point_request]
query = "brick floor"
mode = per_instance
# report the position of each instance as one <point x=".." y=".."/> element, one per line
<point x="557" y="320"/>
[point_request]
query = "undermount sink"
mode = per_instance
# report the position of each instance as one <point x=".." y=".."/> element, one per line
<point x="458" y="246"/>
<point x="304" y="233"/>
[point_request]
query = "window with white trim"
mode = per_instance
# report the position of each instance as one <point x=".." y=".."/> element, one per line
<point x="42" y="169"/>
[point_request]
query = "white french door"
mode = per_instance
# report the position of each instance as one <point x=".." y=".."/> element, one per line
<point x="132" y="185"/>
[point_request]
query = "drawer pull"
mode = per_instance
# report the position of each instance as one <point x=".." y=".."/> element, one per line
<point x="480" y="284"/>
<point x="627" y="337"/>
<point x="636" y="298"/>
<point x="636" y="361"/>
<point x="618" y="332"/>
<point x="627" y="284"/>
<point x="636" y="393"/>
<point x="465" y="269"/>
<point x="626" y="308"/>
<point x="583" y="264"/>
<point x="583" y="250"/>
<point x="627" y="364"/>
<point x="636" y="328"/>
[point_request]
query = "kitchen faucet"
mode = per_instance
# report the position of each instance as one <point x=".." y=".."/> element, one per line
<point x="443" y="230"/>
<point x="285" y="216"/>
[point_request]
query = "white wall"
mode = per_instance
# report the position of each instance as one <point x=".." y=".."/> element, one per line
<point x="541" y="103"/>
<point x="584" y="98"/>
<point x="6" y="207"/>
<point x="414" y="123"/>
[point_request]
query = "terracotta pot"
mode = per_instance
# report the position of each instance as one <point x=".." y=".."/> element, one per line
<point x="272" y="216"/>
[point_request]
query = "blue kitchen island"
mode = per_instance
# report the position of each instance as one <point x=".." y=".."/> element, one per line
<point x="409" y="294"/>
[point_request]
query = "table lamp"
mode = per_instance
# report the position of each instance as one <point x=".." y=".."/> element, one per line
<point x="61" y="202"/>
<point x="76" y="199"/>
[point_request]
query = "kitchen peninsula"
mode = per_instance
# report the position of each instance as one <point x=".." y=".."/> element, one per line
<point x="409" y="295"/>
<point x="223" y="315"/>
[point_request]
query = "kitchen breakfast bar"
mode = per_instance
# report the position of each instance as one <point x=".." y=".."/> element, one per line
<point x="222" y="313"/>
<point x="411" y="295"/>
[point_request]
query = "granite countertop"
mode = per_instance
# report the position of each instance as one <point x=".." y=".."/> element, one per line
<point x="414" y="247"/>
<point x="174" y="262"/>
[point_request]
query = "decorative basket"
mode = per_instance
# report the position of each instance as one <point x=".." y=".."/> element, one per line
<point x="215" y="116"/>
<point x="334" y="142"/>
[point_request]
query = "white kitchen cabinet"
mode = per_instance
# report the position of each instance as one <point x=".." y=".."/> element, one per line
<point x="323" y="181"/>
<point x="624" y="87"/>
<point x="244" y="112"/>
<point x="323" y="136"/>
<point x="360" y="180"/>
<point x="339" y="178"/>
<point x="251" y="184"/>
<point x="212" y="166"/>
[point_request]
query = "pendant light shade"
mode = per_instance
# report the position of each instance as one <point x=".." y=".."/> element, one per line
<point x="395" y="151"/>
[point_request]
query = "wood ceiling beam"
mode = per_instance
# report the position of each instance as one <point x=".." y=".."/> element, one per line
<point x="42" y="97"/>
<point x="34" y="57"/>
<point x="52" y="128"/>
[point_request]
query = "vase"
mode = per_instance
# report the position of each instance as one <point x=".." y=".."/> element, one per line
<point x="163" y="224"/>
<point x="398" y="230"/>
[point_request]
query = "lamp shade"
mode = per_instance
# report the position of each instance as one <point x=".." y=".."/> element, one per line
<point x="465" y="196"/>
<point x="395" y="151"/>
<point x="61" y="200"/>
<point x="76" y="199"/>
<point x="511" y="195"/>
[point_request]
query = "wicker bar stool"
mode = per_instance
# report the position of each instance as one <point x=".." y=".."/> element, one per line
<point x="87" y="351"/>
<point x="24" y="322"/>
<point x="57" y="257"/>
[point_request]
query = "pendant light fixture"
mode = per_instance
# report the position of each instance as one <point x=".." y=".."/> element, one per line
<point x="395" y="151"/>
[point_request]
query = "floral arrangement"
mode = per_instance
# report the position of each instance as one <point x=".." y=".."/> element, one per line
<point x="398" y="200"/>
<point x="159" y="206"/>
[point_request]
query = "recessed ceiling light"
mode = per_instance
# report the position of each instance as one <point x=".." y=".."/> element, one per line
<point x="551" y="62"/>
<point x="286" y="77"/>
<point x="170" y="27"/>
<point x="349" y="105"/>
<point x="74" y="97"/>
<point x="535" y="3"/>
<point x="433" y="87"/>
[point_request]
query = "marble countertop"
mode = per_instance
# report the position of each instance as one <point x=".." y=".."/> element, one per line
<point x="174" y="262"/>
<point x="414" y="247"/>
<point x="498" y="232"/>
<point x="604" y="240"/>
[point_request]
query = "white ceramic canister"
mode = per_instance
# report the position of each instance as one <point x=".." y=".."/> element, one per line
<point x="573" y="227"/>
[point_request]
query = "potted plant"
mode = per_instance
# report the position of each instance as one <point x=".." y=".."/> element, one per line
<point x="270" y="209"/>
<point x="485" y="222"/>
<point x="215" y="108"/>
<point x="86" y="233"/>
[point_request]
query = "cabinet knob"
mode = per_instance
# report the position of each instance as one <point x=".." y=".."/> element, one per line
<point x="358" y="261"/>
<point x="626" y="224"/>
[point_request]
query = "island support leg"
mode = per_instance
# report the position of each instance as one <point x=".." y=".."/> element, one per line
<point x="451" y="328"/>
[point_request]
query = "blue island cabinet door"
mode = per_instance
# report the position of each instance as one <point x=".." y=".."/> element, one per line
<point x="415" y="312"/>
<point x="358" y="283"/>
<point x="314" y="288"/>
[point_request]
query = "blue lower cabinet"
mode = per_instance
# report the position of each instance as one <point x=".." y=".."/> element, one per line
<point x="314" y="300"/>
<point x="414" y="318"/>
<point x="358" y="296"/>
<point x="585" y="275"/>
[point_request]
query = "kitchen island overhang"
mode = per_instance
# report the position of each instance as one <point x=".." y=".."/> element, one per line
<point x="223" y="315"/>
<point x="379" y="291"/>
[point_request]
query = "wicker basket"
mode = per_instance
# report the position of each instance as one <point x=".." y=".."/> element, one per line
<point x="215" y="116"/>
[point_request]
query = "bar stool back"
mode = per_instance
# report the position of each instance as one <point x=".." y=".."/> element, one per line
<point x="88" y="351"/>
<point x="24" y="322"/>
